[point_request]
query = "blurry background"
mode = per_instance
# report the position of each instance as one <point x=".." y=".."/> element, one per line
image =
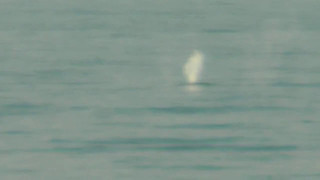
<point x="94" y="89"/>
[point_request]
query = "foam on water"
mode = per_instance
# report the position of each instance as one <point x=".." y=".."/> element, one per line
<point x="192" y="69"/>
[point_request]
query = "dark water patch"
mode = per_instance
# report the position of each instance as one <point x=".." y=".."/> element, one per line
<point x="130" y="89"/>
<point x="222" y="3"/>
<point x="25" y="150"/>
<point x="294" y="70"/>
<point x="147" y="141"/>
<point x="308" y="121"/>
<point x="89" y="12"/>
<point x="202" y="126"/>
<point x="315" y="175"/>
<point x="219" y="31"/>
<point x="111" y="148"/>
<point x="266" y="156"/>
<point x="15" y="132"/>
<point x="151" y="141"/>
<point x="26" y="109"/>
<point x="127" y="147"/>
<point x="121" y="124"/>
<point x="296" y="52"/>
<point x="59" y="73"/>
<point x="213" y="147"/>
<point x="131" y="159"/>
<point x="83" y="149"/>
<point x="86" y="12"/>
<point x="127" y="35"/>
<point x="185" y="110"/>
<point x="189" y="110"/>
<point x="301" y="85"/>
<point x="232" y="98"/>
<point x="48" y="74"/>
<point x="60" y="27"/>
<point x="78" y="83"/>
<point x="212" y="110"/>
<point x="210" y="147"/>
<point x="63" y="141"/>
<point x="197" y="84"/>
<point x="172" y="148"/>
<point x="175" y="147"/>
<point x="129" y="111"/>
<point x="18" y="76"/>
<point x="17" y="171"/>
<point x="23" y="106"/>
<point x="131" y="64"/>
<point x="182" y="167"/>
<point x="79" y="108"/>
<point x="166" y="13"/>
<point x="62" y="148"/>
<point x="163" y="144"/>
<point x="265" y="148"/>
<point x="198" y="167"/>
<point x="268" y="177"/>
<point x="89" y="62"/>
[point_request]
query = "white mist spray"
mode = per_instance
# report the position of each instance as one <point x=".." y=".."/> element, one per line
<point x="192" y="69"/>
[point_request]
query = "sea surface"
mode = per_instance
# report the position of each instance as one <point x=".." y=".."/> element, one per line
<point x="95" y="90"/>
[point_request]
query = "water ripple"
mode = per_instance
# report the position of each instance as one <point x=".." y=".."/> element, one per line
<point x="26" y="109"/>
<point x="164" y="144"/>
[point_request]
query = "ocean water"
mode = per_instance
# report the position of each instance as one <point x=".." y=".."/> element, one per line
<point x="95" y="90"/>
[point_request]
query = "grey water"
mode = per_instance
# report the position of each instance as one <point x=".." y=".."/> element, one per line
<point x="95" y="90"/>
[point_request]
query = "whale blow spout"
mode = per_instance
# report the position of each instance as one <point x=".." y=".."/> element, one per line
<point x="192" y="69"/>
